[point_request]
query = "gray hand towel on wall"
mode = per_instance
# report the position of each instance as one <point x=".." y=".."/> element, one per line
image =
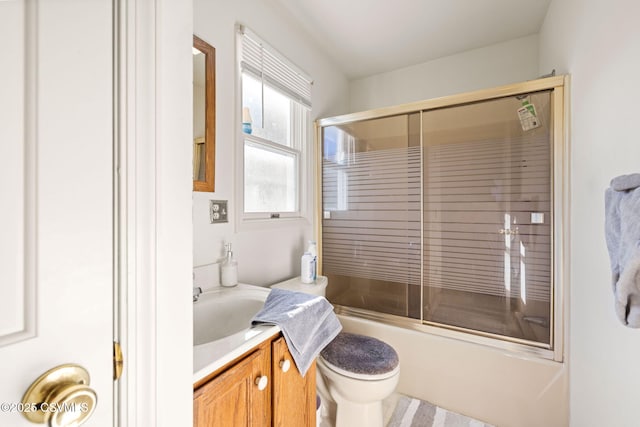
<point x="622" y="227"/>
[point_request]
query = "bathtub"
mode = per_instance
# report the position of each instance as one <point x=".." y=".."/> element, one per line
<point x="499" y="387"/>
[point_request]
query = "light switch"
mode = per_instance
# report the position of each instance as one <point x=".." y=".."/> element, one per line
<point x="218" y="211"/>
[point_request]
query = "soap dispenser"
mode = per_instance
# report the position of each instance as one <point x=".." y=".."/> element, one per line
<point x="229" y="269"/>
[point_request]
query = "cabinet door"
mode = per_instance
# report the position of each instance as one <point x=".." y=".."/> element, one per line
<point x="294" y="396"/>
<point x="233" y="399"/>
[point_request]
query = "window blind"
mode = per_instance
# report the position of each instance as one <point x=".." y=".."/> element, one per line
<point x="265" y="63"/>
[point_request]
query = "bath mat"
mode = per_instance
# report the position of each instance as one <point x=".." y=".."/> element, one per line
<point x="410" y="412"/>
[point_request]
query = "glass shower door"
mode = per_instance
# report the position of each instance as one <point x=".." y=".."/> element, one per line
<point x="487" y="217"/>
<point x="444" y="217"/>
<point x="371" y="219"/>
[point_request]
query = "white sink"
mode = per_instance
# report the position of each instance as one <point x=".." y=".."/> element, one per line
<point x="224" y="312"/>
<point x="222" y="326"/>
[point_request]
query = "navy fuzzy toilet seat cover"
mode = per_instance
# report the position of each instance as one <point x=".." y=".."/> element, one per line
<point x="360" y="354"/>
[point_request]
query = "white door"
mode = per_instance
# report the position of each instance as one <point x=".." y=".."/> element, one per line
<point x="56" y="228"/>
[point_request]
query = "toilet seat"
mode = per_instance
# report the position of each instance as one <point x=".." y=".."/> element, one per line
<point x="361" y="357"/>
<point x="355" y="376"/>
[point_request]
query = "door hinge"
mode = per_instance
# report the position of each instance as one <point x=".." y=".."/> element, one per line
<point x="118" y="361"/>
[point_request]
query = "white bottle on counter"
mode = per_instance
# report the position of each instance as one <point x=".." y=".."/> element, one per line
<point x="307" y="268"/>
<point x="313" y="250"/>
<point x="229" y="269"/>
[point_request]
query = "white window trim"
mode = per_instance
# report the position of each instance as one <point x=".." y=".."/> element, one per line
<point x="306" y="179"/>
<point x="277" y="148"/>
<point x="251" y="221"/>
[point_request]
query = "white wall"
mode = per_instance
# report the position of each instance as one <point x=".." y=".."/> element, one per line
<point x="598" y="43"/>
<point x="266" y="254"/>
<point x="163" y="212"/>
<point x="503" y="63"/>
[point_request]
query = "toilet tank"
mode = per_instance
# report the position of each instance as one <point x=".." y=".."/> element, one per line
<point x="318" y="287"/>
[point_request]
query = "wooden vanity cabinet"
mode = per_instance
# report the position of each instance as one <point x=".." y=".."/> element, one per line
<point x="232" y="398"/>
<point x="293" y="396"/>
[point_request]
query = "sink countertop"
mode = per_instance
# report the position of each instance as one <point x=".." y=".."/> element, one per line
<point x="210" y="357"/>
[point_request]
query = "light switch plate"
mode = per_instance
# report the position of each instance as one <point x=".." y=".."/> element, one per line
<point x="218" y="211"/>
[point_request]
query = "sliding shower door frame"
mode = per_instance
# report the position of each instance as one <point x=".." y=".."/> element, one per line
<point x="559" y="221"/>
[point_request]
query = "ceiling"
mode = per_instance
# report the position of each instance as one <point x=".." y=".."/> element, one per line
<point x="366" y="37"/>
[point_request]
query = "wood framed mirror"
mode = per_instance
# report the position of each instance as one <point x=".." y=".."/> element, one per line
<point x="204" y="115"/>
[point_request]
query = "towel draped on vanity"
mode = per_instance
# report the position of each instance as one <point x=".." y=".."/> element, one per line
<point x="622" y="227"/>
<point x="308" y="323"/>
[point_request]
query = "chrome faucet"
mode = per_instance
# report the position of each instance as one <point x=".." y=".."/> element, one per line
<point x="197" y="291"/>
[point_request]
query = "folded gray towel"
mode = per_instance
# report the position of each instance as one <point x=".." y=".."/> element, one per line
<point x="626" y="182"/>
<point x="308" y="323"/>
<point x="622" y="229"/>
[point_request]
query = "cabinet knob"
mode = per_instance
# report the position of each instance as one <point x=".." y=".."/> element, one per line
<point x="262" y="382"/>
<point x="285" y="365"/>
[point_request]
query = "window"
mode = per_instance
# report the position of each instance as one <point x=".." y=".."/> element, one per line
<point x="276" y="131"/>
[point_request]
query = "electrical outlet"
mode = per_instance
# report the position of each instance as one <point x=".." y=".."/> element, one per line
<point x="218" y="211"/>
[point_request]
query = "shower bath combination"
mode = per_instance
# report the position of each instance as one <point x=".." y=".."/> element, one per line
<point x="445" y="214"/>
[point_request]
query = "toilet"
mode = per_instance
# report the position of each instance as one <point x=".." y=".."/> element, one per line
<point x="355" y="372"/>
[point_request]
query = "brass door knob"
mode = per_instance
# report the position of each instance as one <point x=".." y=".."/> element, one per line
<point x="61" y="397"/>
